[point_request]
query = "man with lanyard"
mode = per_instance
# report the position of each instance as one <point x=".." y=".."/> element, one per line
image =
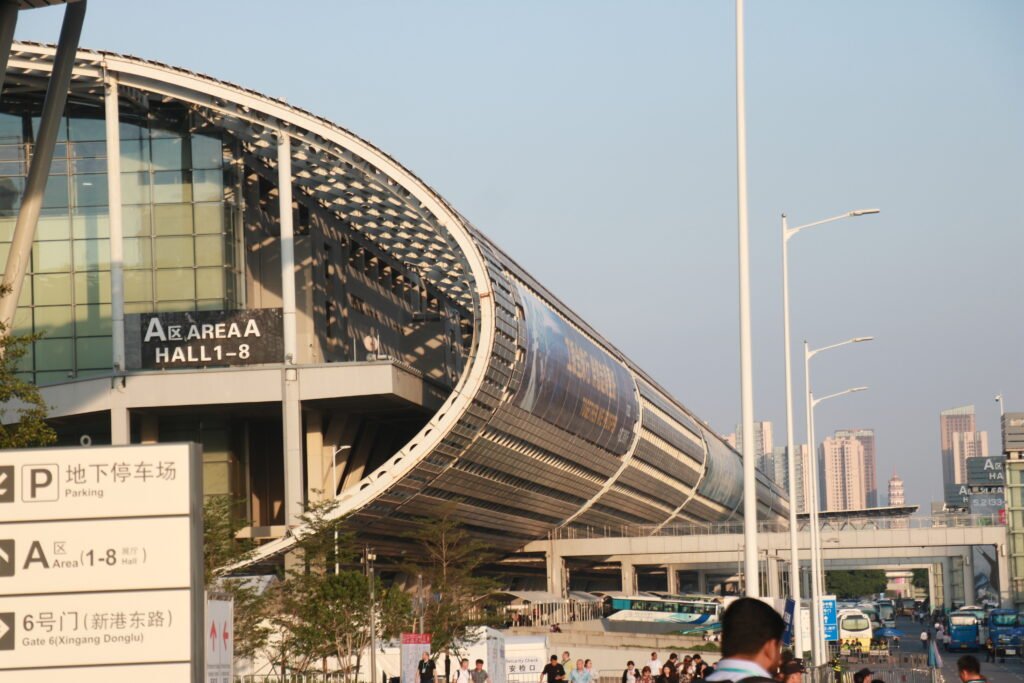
<point x="751" y="643"/>
<point x="426" y="668"/>
<point x="970" y="670"/>
<point x="553" y="672"/>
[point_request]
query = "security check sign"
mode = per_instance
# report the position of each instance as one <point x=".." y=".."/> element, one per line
<point x="100" y="571"/>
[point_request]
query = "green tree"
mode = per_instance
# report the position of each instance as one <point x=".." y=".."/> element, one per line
<point x="448" y="560"/>
<point x="31" y="429"/>
<point x="222" y="548"/>
<point x="324" y="613"/>
<point x="855" y="584"/>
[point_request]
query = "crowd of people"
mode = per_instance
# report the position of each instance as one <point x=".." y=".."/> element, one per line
<point x="673" y="670"/>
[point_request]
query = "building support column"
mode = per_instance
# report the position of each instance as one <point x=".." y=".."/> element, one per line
<point x="947" y="582"/>
<point x="8" y="21"/>
<point x="318" y="472"/>
<point x="672" y="579"/>
<point x="970" y="597"/>
<point x="112" y="120"/>
<point x="628" y="578"/>
<point x="120" y="425"/>
<point x="42" y="157"/>
<point x="932" y="587"/>
<point x="702" y="581"/>
<point x="556" y="573"/>
<point x="291" y="409"/>
<point x="774" y="579"/>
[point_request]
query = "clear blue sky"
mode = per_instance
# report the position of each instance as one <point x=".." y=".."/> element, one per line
<point x="595" y="141"/>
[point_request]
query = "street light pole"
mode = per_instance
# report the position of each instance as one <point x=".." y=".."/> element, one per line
<point x="817" y="575"/>
<point x="370" y="557"/>
<point x="794" y="550"/>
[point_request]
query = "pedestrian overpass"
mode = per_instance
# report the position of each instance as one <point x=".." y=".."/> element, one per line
<point x="942" y="544"/>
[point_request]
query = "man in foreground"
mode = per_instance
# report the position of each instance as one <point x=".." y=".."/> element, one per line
<point x="970" y="670"/>
<point x="751" y="643"/>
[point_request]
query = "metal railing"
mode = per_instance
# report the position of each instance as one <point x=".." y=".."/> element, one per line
<point x="335" y="677"/>
<point x="827" y="524"/>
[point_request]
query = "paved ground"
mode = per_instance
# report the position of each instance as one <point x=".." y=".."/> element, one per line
<point x="1011" y="670"/>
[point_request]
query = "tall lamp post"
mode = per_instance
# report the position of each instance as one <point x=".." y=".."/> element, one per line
<point x="817" y="575"/>
<point x="369" y="556"/>
<point x="794" y="551"/>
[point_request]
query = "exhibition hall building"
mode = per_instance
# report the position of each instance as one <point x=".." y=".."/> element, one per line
<point x="212" y="264"/>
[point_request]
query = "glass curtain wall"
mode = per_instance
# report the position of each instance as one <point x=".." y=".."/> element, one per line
<point x="180" y="242"/>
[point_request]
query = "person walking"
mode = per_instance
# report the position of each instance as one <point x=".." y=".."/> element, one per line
<point x="462" y="674"/>
<point x="990" y="651"/>
<point x="655" y="664"/>
<point x="668" y="675"/>
<point x="579" y="674"/>
<point x="553" y="672"/>
<point x="630" y="675"/>
<point x="645" y="675"/>
<point x="751" y="643"/>
<point x="479" y="674"/>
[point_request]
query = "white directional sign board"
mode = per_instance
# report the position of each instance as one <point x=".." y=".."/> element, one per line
<point x="100" y="564"/>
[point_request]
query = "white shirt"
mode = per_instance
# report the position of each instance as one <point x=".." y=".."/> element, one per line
<point x="461" y="676"/>
<point x="655" y="665"/>
<point x="736" y="670"/>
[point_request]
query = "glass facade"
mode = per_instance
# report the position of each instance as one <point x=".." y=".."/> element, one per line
<point x="179" y="215"/>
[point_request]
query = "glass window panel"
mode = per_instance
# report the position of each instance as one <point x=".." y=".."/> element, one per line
<point x="131" y="129"/>
<point x="51" y="289"/>
<point x="136" y="220"/>
<point x="140" y="307"/>
<point x="51" y="257"/>
<point x="92" y="288"/>
<point x="10" y="128"/>
<point x="88" y="150"/>
<point x="12" y="168"/>
<point x="94" y="353"/>
<point x="208" y="186"/>
<point x="90" y="223"/>
<point x="137" y="253"/>
<point x="172" y="252"/>
<point x="54" y="354"/>
<point x="55" y="226"/>
<point x="210" y="250"/>
<point x="138" y="286"/>
<point x="11" y="152"/>
<point x="169" y="154"/>
<point x="135" y="188"/>
<point x="174" y="306"/>
<point x="27" y="361"/>
<point x="173" y="219"/>
<point x="171" y="187"/>
<point x="56" y="194"/>
<point x="210" y="283"/>
<point x="82" y="128"/>
<point x="92" y="320"/>
<point x="90" y="189"/>
<point x="134" y="155"/>
<point x="206" y="152"/>
<point x="54" y="321"/>
<point x="22" y="320"/>
<point x="209" y="218"/>
<point x="92" y="254"/>
<point x="59" y="166"/>
<point x="62" y="129"/>
<point x="10" y="196"/>
<point x="89" y="166"/>
<point x="45" y="378"/>
<point x="86" y="374"/>
<point x="175" y="285"/>
<point x="210" y="305"/>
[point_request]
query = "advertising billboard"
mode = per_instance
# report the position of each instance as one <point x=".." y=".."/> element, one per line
<point x="572" y="383"/>
<point x="986" y="574"/>
<point x="957" y="495"/>
<point x="101" y="573"/>
<point x="986" y="470"/>
<point x="202" y="339"/>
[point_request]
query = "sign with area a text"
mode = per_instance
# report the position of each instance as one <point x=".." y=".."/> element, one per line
<point x="986" y="470"/>
<point x="100" y="564"/>
<point x="829" y="617"/>
<point x="201" y="339"/>
<point x="412" y="647"/>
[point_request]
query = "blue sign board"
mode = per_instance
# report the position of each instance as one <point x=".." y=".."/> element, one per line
<point x="787" y="635"/>
<point x="829" y="617"/>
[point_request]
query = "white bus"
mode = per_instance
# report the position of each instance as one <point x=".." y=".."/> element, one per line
<point x="854" y="627"/>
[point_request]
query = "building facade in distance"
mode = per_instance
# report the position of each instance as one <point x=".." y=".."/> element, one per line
<point x="897" y="496"/>
<point x="842" y="469"/>
<point x="866" y="437"/>
<point x="958" y="440"/>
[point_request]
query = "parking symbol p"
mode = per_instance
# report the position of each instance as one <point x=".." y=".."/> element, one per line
<point x="7" y="484"/>
<point x="40" y="483"/>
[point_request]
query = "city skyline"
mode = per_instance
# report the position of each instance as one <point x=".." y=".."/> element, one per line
<point x="666" y="101"/>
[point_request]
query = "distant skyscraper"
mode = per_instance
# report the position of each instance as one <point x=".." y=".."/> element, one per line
<point x="867" y="439"/>
<point x="763" y="452"/>
<point x="776" y="466"/>
<point x="959" y="440"/>
<point x="896" y="495"/>
<point x="803" y="491"/>
<point x="842" y="473"/>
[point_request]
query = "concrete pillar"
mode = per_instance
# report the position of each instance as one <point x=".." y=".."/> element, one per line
<point x="291" y="409"/>
<point x="702" y="581"/>
<point x="947" y="582"/>
<point x="556" y="574"/>
<point x="120" y="426"/>
<point x="318" y="474"/>
<point x="774" y="587"/>
<point x="8" y="20"/>
<point x="628" y="578"/>
<point x="672" y="578"/>
<point x="932" y="584"/>
<point x="970" y="598"/>
<point x="1003" y="567"/>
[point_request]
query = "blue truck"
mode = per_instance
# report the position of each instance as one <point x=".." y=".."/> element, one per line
<point x="1006" y="631"/>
